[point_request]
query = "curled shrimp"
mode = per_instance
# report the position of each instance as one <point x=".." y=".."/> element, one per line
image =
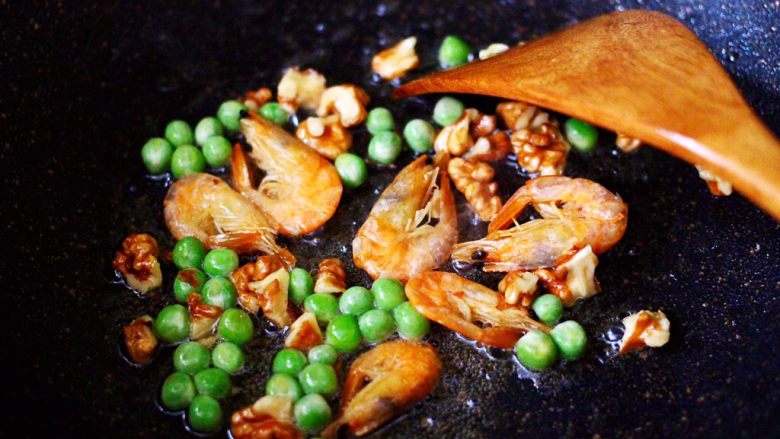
<point x="398" y="240"/>
<point x="458" y="304"/>
<point x="204" y="206"/>
<point x="383" y="382"/>
<point x="576" y="213"/>
<point x="300" y="190"/>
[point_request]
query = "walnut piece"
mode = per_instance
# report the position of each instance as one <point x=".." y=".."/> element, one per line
<point x="138" y="264"/>
<point x="542" y="150"/>
<point x="347" y="100"/>
<point x="519" y="287"/>
<point x="644" y="328"/>
<point x="475" y="181"/>
<point x="325" y="135"/>
<point x="253" y="100"/>
<point x="492" y="148"/>
<point x="203" y="320"/>
<point x="263" y="284"/>
<point x="395" y="61"/>
<point x="140" y="340"/>
<point x="455" y="139"/>
<point x="573" y="277"/>
<point x="627" y="144"/>
<point x="304" y="333"/>
<point x="718" y="186"/>
<point x="519" y="115"/>
<point x="270" y="417"/>
<point x="300" y="89"/>
<point x="331" y="277"/>
<point x="493" y="50"/>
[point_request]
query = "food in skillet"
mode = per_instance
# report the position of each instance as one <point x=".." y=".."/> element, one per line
<point x="234" y="273"/>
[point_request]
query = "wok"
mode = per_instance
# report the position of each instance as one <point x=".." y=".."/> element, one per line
<point x="85" y="84"/>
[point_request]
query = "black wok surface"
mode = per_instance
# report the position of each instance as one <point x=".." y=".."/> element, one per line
<point x="85" y="84"/>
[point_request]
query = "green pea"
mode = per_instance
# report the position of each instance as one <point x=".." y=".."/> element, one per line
<point x="289" y="361"/>
<point x="453" y="52"/>
<point x="219" y="291"/>
<point x="419" y="135"/>
<point x="179" y="133"/>
<point x="187" y="160"/>
<point x="188" y="253"/>
<point x="172" y="324"/>
<point x="213" y="382"/>
<point x="447" y="111"/>
<point x="570" y="339"/>
<point x="312" y="413"/>
<point x="410" y="323"/>
<point x="376" y="325"/>
<point x="352" y="169"/>
<point x="582" y="135"/>
<point x="388" y="293"/>
<point x="156" y="155"/>
<point x="274" y="112"/>
<point x="191" y="357"/>
<point x="229" y="114"/>
<point x="548" y="308"/>
<point x="343" y="333"/>
<point x="536" y="350"/>
<point x="319" y="378"/>
<point x="220" y="262"/>
<point x="188" y="281"/>
<point x="217" y="151"/>
<point x="323" y="353"/>
<point x="281" y="384"/>
<point x="206" y="128"/>
<point x="177" y="391"/>
<point x="379" y="119"/>
<point x="228" y="357"/>
<point x="324" y="306"/>
<point x="205" y="414"/>
<point x="384" y="147"/>
<point x="235" y="326"/>
<point x="356" y="300"/>
<point x="301" y="285"/>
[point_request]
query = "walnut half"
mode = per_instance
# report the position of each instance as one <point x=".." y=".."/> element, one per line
<point x="475" y="181"/>
<point x="300" y="89"/>
<point x="347" y="100"/>
<point x="718" y="186"/>
<point x="395" y="61"/>
<point x="203" y="320"/>
<point x="325" y="135"/>
<point x="542" y="150"/>
<point x="270" y="417"/>
<point x="140" y="340"/>
<point x="573" y="277"/>
<point x="644" y="328"/>
<point x="627" y="144"/>
<point x="331" y="277"/>
<point x="304" y="333"/>
<point x="138" y="264"/>
<point x="519" y="287"/>
<point x="263" y="284"/>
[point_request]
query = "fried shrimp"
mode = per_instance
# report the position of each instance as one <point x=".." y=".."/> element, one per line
<point x="458" y="304"/>
<point x="399" y="238"/>
<point x="300" y="190"/>
<point x="205" y="207"/>
<point x="382" y="383"/>
<point x="576" y="213"/>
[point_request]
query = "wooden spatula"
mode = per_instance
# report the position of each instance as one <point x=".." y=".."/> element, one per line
<point x="640" y="73"/>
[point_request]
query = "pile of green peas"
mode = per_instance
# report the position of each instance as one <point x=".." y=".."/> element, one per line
<point x="202" y="377"/>
<point x="538" y="350"/>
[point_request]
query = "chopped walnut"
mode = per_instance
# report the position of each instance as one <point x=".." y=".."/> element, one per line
<point x="331" y="277"/>
<point x="347" y="100"/>
<point x="541" y="150"/>
<point x="304" y="333"/>
<point x="140" y="340"/>
<point x="300" y="89"/>
<point x="718" y="186"/>
<point x="519" y="287"/>
<point x="627" y="144"/>
<point x="263" y="284"/>
<point x="493" y="50"/>
<point x="325" y="135"/>
<point x="270" y="417"/>
<point x="644" y="328"/>
<point x="203" y="320"/>
<point x="573" y="277"/>
<point x="138" y="264"/>
<point x="455" y="139"/>
<point x="256" y="99"/>
<point x="519" y="115"/>
<point x="492" y="148"/>
<point x="395" y="61"/>
<point x="475" y="181"/>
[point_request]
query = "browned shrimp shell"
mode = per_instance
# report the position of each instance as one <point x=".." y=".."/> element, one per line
<point x="383" y="382"/>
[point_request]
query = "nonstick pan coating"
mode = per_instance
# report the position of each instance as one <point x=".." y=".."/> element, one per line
<point x="85" y="84"/>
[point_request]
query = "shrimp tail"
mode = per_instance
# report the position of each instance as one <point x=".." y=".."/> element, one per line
<point x="249" y="241"/>
<point x="512" y="208"/>
<point x="240" y="172"/>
